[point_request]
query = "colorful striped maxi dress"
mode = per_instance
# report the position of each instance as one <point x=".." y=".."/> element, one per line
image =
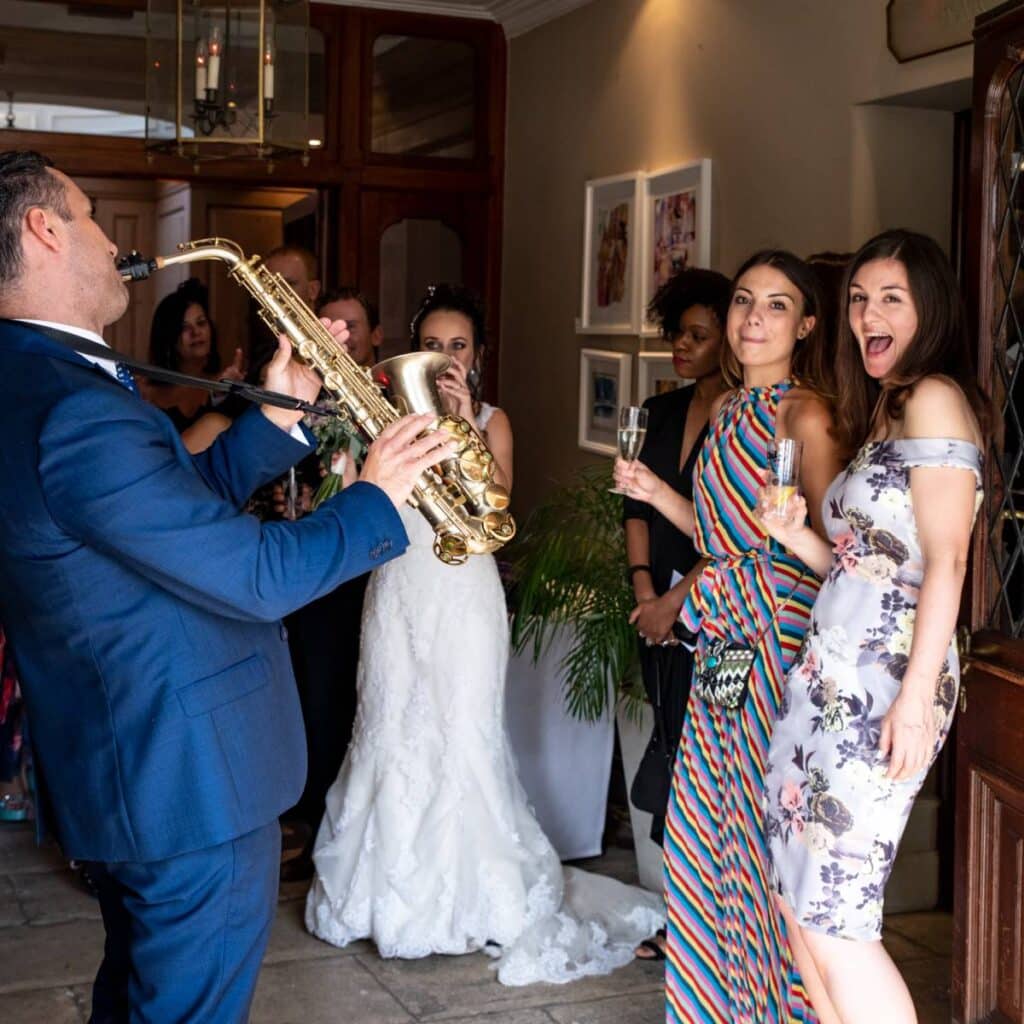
<point x="729" y="961"/>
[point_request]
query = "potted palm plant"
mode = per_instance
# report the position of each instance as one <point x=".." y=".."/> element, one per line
<point x="569" y="574"/>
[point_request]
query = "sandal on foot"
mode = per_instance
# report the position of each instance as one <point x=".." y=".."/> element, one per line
<point x="652" y="946"/>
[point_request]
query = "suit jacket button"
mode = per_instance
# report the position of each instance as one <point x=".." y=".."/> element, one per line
<point x="284" y="631"/>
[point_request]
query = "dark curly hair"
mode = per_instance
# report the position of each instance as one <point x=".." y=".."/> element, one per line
<point x="168" y="317"/>
<point x="682" y="291"/>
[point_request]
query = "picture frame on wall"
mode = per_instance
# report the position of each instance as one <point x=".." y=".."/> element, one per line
<point x="609" y="302"/>
<point x="655" y="375"/>
<point x="676" y="224"/>
<point x="604" y="389"/>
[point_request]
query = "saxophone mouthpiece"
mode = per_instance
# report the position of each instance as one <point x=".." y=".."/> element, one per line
<point x="135" y="267"/>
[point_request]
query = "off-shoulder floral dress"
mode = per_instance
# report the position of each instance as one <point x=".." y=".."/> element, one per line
<point x="833" y="820"/>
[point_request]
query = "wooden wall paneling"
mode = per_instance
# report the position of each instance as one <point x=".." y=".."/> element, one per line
<point x="473" y="32"/>
<point x="988" y="967"/>
<point x="343" y="166"/>
<point x="254" y="218"/>
<point x="172" y="227"/>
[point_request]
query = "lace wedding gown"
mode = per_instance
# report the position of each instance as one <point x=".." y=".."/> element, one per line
<point x="427" y="844"/>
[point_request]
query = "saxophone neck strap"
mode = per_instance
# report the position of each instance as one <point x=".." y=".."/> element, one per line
<point x="248" y="392"/>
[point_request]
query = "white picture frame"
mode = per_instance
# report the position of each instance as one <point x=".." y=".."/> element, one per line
<point x="655" y="375"/>
<point x="676" y="228"/>
<point x="612" y="237"/>
<point x="604" y="389"/>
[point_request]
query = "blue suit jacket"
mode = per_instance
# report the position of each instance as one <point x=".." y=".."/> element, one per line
<point x="143" y="606"/>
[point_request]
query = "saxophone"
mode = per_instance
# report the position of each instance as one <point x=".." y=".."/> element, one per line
<point x="458" y="497"/>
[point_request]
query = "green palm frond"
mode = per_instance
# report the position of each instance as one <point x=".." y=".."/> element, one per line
<point x="569" y="570"/>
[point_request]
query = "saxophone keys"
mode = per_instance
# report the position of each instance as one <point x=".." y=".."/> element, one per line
<point x="497" y="498"/>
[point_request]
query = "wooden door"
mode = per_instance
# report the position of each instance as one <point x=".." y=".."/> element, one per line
<point x="255" y="218"/>
<point x="988" y="967"/>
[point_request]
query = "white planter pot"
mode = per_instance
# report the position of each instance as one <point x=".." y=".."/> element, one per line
<point x="633" y="737"/>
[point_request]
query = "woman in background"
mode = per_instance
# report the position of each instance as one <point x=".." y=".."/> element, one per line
<point x="428" y="844"/>
<point x="871" y="698"/>
<point x="690" y="310"/>
<point x="183" y="338"/>
<point x="728" y="954"/>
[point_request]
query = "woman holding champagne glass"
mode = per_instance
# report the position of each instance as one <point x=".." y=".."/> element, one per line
<point x="690" y="310"/>
<point x="728" y="952"/>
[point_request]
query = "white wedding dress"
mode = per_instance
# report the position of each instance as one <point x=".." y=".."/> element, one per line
<point x="428" y="844"/>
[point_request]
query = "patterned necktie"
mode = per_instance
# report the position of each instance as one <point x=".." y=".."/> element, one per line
<point x="124" y="376"/>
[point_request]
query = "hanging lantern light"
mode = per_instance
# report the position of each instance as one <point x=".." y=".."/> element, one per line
<point x="228" y="78"/>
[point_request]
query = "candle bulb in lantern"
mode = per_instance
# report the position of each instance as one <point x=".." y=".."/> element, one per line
<point x="201" y="70"/>
<point x="268" y="73"/>
<point x="213" y="67"/>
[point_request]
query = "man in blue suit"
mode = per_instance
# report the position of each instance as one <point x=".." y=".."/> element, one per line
<point x="144" y="608"/>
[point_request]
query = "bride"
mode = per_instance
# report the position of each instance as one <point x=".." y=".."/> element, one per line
<point x="428" y="844"/>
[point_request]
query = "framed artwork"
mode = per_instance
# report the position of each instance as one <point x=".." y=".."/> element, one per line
<point x="676" y="225"/>
<point x="604" y="389"/>
<point x="655" y="375"/>
<point x="611" y="245"/>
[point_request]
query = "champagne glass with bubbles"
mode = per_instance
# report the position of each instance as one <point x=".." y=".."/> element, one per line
<point x="632" y="431"/>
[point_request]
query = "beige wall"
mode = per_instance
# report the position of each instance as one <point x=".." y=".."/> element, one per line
<point x="776" y="93"/>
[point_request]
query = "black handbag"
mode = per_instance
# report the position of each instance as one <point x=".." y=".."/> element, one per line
<point x="652" y="783"/>
<point x="725" y="666"/>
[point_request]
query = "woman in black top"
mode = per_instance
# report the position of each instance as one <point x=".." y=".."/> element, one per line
<point x="690" y="309"/>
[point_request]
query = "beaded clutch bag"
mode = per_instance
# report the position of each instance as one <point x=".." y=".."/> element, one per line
<point x="724" y="666"/>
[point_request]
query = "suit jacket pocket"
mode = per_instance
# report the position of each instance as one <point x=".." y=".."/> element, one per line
<point x="225" y="686"/>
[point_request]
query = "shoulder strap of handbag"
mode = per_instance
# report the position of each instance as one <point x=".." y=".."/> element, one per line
<point x="778" y="610"/>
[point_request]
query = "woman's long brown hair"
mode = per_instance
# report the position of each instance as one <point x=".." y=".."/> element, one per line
<point x="939" y="347"/>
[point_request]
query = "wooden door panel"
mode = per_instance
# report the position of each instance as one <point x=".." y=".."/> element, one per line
<point x="1009" y="878"/>
<point x="989" y="915"/>
<point x="254" y="218"/>
<point x="988" y="964"/>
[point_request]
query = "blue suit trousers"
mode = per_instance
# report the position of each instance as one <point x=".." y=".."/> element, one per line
<point x="186" y="935"/>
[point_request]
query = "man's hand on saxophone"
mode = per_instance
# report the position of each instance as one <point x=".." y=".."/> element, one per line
<point x="399" y="455"/>
<point x="290" y="377"/>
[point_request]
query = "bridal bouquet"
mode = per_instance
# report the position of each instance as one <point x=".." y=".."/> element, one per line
<point x="335" y="436"/>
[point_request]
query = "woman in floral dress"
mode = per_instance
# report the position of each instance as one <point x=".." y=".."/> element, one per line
<point x="870" y="700"/>
<point x="729" y="958"/>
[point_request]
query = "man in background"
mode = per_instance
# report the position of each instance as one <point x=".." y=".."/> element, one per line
<point x="360" y="315"/>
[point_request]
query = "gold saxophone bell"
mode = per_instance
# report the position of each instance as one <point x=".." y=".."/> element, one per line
<point x="458" y="497"/>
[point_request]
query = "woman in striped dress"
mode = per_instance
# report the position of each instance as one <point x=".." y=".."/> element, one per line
<point x="729" y="959"/>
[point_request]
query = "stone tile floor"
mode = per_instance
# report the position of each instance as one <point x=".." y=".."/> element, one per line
<point x="51" y="937"/>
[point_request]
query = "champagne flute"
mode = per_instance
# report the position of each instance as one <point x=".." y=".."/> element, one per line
<point x="632" y="431"/>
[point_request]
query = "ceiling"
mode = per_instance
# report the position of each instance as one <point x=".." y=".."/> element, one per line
<point x="515" y="16"/>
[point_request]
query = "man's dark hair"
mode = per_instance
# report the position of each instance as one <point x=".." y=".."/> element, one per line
<point x="24" y="182"/>
<point x="346" y="293"/>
